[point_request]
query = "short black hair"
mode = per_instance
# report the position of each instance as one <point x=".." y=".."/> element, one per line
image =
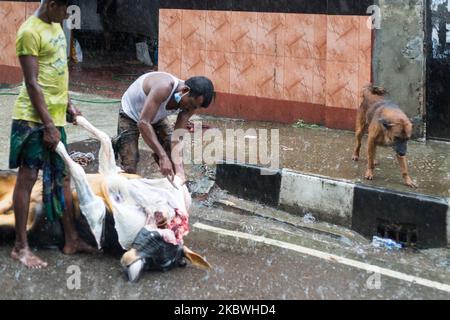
<point x="201" y="87"/>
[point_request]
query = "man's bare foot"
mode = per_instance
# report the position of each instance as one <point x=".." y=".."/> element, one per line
<point x="26" y="257"/>
<point x="79" y="246"/>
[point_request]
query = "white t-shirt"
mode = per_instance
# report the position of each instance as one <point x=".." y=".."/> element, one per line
<point x="134" y="98"/>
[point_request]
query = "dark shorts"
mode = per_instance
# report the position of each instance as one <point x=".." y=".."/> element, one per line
<point x="27" y="146"/>
<point x="126" y="143"/>
<point x="27" y="149"/>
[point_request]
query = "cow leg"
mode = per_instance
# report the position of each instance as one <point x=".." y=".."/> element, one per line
<point x="73" y="243"/>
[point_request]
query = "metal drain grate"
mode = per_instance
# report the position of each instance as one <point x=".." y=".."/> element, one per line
<point x="403" y="233"/>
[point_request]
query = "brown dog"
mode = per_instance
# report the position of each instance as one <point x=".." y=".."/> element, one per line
<point x="387" y="125"/>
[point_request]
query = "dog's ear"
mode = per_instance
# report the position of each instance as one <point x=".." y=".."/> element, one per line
<point x="385" y="123"/>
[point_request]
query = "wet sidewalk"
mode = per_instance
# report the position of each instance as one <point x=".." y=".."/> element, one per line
<point x="310" y="150"/>
<point x="328" y="152"/>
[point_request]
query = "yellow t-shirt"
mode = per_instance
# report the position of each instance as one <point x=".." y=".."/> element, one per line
<point x="48" y="43"/>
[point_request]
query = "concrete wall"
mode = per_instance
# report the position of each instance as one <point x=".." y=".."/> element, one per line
<point x="330" y="200"/>
<point x="399" y="58"/>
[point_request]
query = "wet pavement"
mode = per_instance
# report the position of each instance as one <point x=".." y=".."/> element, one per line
<point x="318" y="151"/>
<point x="242" y="269"/>
<point x="246" y="269"/>
<point x="328" y="152"/>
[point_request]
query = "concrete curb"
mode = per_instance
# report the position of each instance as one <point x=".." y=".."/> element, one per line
<point x="251" y="182"/>
<point x="410" y="218"/>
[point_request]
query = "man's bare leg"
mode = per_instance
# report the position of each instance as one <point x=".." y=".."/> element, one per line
<point x="26" y="179"/>
<point x="73" y="243"/>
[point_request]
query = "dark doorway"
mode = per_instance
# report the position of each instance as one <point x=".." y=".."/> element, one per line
<point x="111" y="35"/>
<point x="438" y="69"/>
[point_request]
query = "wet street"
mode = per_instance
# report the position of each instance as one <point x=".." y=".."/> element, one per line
<point x="225" y="153"/>
<point x="243" y="268"/>
<point x="255" y="256"/>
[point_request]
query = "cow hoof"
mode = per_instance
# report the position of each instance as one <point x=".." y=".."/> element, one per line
<point x="134" y="271"/>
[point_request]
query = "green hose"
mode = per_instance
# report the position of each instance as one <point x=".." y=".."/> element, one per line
<point x="97" y="101"/>
<point x="74" y="99"/>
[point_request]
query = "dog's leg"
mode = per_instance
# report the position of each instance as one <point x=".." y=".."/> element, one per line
<point x="371" y="151"/>
<point x="359" y="134"/>
<point x="404" y="169"/>
<point x="360" y="128"/>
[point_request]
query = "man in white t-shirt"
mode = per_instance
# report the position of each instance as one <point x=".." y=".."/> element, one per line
<point x="145" y="107"/>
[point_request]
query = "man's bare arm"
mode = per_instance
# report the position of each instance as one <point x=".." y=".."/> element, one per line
<point x="30" y="68"/>
<point x="154" y="100"/>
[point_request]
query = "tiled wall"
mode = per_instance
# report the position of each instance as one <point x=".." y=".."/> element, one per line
<point x="310" y="58"/>
<point x="12" y="15"/>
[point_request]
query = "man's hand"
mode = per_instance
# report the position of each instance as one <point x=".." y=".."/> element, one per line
<point x="165" y="165"/>
<point x="72" y="113"/>
<point x="51" y="137"/>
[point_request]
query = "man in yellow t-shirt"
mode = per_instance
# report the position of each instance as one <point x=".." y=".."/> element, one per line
<point x="39" y="117"/>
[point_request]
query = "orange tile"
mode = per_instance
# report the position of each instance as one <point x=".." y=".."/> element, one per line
<point x="192" y="63"/>
<point x="31" y="8"/>
<point x="269" y="77"/>
<point x="365" y="41"/>
<point x="170" y="28"/>
<point x="10" y="75"/>
<point x="343" y="38"/>
<point x="193" y="29"/>
<point x="244" y="27"/>
<point x="8" y="50"/>
<point x="12" y="15"/>
<point x="169" y="60"/>
<point x="299" y="37"/>
<point x="342" y="85"/>
<point x="270" y="34"/>
<point x="243" y="74"/>
<point x="218" y="31"/>
<point x="217" y="68"/>
<point x="298" y="79"/>
<point x="340" y="118"/>
<point x="320" y="37"/>
<point x="320" y="82"/>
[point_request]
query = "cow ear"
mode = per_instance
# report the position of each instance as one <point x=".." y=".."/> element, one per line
<point x="385" y="123"/>
<point x="196" y="259"/>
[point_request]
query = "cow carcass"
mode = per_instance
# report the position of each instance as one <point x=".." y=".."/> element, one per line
<point x="150" y="215"/>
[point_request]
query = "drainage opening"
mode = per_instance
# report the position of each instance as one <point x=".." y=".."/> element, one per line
<point x="404" y="233"/>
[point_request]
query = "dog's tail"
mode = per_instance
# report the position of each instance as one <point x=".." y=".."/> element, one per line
<point x="376" y="90"/>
